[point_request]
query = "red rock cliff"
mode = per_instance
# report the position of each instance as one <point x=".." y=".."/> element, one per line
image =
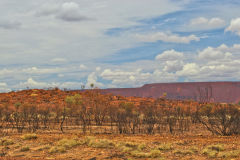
<point x="225" y="92"/>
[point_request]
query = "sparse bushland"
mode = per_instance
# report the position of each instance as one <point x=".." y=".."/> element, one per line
<point x="220" y="119"/>
<point x="93" y="112"/>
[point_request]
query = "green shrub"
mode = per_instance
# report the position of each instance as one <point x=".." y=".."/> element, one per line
<point x="184" y="152"/>
<point x="44" y="147"/>
<point x="29" y="136"/>
<point x="24" y="149"/>
<point x="141" y="146"/>
<point x="155" y="153"/>
<point x="63" y="145"/>
<point x="126" y="149"/>
<point x="194" y="149"/>
<point x="139" y="154"/>
<point x="6" y="142"/>
<point x="165" y="147"/>
<point x="229" y="154"/>
<point x="57" y="149"/>
<point x="130" y="146"/>
<point x="102" y="143"/>
<point x="216" y="147"/>
<point x="67" y="143"/>
<point x="212" y="150"/>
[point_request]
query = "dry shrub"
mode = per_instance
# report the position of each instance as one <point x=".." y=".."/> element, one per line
<point x="229" y="154"/>
<point x="98" y="143"/>
<point x="29" y="136"/>
<point x="6" y="142"/>
<point x="212" y="150"/>
<point x="165" y="147"/>
<point x="184" y="152"/>
<point x="63" y="145"/>
<point x="24" y="149"/>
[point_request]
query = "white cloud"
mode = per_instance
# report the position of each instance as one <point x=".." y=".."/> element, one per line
<point x="213" y="54"/>
<point x="68" y="11"/>
<point x="93" y="79"/>
<point x="170" y="55"/>
<point x="173" y="66"/>
<point x="219" y="63"/>
<point x="45" y="37"/>
<point x="31" y="83"/>
<point x="3" y="84"/>
<point x="189" y="69"/>
<point x="6" y="72"/>
<point x="28" y="50"/>
<point x="234" y="26"/>
<point x="35" y="70"/>
<point x="82" y="67"/>
<point x="4" y="87"/>
<point x="98" y="69"/>
<point x="203" y="23"/>
<point x="71" y="85"/>
<point x="60" y="75"/>
<point x="166" y="37"/>
<point x="162" y="76"/>
<point x="9" y="24"/>
<point x="120" y="78"/>
<point x="59" y="60"/>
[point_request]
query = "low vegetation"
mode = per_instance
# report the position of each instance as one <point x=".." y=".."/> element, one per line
<point x="63" y="145"/>
<point x="24" y="149"/>
<point x="6" y="142"/>
<point x="93" y="112"/>
<point x="98" y="123"/>
<point x="29" y="136"/>
<point x="114" y="147"/>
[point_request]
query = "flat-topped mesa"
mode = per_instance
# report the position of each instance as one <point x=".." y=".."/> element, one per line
<point x="223" y="92"/>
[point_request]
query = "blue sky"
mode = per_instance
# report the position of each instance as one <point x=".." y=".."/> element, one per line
<point x="70" y="43"/>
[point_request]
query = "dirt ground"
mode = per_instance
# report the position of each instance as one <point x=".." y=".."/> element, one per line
<point x="118" y="147"/>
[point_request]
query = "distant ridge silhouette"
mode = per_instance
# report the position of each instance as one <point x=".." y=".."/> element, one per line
<point x="223" y="92"/>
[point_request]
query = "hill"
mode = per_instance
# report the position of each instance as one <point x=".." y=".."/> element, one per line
<point x="223" y="92"/>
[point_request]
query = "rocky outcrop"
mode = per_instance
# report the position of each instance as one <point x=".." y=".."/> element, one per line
<point x="224" y="92"/>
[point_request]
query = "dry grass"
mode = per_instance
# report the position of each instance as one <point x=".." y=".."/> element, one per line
<point x="229" y="154"/>
<point x="29" y="136"/>
<point x="165" y="147"/>
<point x="78" y="146"/>
<point x="184" y="152"/>
<point x="100" y="143"/>
<point x="63" y="145"/>
<point x="24" y="149"/>
<point x="6" y="141"/>
<point x="212" y="150"/>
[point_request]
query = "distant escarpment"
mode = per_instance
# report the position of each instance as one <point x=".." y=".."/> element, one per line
<point x="223" y="92"/>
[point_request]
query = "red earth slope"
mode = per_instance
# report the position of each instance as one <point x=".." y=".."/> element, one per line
<point x="224" y="92"/>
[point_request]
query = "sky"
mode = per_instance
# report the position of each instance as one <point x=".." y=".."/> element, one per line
<point x="117" y="44"/>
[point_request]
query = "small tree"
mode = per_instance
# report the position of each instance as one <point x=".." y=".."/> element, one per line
<point x="220" y="119"/>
